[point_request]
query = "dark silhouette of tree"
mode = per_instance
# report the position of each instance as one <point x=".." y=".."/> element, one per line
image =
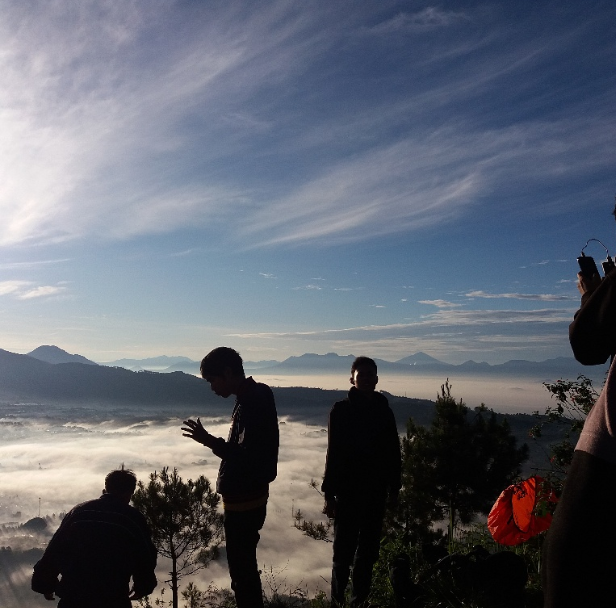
<point x="457" y="467"/>
<point x="184" y="520"/>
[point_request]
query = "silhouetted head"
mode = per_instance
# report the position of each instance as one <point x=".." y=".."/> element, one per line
<point x="217" y="361"/>
<point x="363" y="361"/>
<point x="364" y="374"/>
<point x="224" y="370"/>
<point x="120" y="482"/>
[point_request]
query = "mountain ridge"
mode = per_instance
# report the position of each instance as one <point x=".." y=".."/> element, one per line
<point x="332" y="363"/>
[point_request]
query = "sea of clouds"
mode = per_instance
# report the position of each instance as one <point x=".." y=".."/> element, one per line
<point x="48" y="466"/>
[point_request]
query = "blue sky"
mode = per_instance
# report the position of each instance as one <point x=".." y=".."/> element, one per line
<point x="284" y="177"/>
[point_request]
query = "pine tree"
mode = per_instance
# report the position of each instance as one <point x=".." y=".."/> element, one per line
<point x="184" y="520"/>
<point x="457" y="467"/>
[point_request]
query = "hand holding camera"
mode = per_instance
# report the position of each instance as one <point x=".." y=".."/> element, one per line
<point x="588" y="276"/>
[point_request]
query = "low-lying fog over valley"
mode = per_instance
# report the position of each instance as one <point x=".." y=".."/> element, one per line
<point x="48" y="466"/>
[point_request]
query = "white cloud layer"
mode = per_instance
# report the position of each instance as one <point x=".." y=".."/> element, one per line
<point x="44" y="461"/>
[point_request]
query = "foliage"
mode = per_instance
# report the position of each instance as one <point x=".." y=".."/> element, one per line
<point x="574" y="400"/>
<point x="440" y="580"/>
<point x="317" y="530"/>
<point x="184" y="520"/>
<point x="454" y="469"/>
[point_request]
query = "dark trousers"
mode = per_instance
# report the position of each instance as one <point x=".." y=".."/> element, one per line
<point x="579" y="552"/>
<point x="242" y="536"/>
<point x="357" y="536"/>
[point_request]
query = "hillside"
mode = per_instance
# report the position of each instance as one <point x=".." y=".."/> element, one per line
<point x="26" y="379"/>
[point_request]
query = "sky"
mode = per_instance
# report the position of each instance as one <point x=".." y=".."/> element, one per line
<point x="378" y="178"/>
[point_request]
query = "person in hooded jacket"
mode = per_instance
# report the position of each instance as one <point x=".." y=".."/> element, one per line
<point x="579" y="560"/>
<point x="362" y="472"/>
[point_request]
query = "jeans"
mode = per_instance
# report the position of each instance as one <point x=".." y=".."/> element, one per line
<point x="357" y="536"/>
<point x="242" y="536"/>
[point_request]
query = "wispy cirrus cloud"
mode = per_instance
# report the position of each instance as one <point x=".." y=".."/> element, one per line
<point x="440" y="303"/>
<point x="27" y="290"/>
<point x="448" y="333"/>
<point x="539" y="297"/>
<point x="444" y="320"/>
<point x="408" y="22"/>
<point x="84" y="159"/>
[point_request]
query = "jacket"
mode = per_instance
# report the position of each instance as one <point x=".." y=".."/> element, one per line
<point x="363" y="447"/>
<point x="250" y="453"/>
<point x="99" y="545"/>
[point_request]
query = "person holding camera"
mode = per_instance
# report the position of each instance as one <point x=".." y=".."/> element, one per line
<point x="579" y="558"/>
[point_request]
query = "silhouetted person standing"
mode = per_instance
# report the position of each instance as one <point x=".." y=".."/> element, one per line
<point x="579" y="555"/>
<point x="98" y="547"/>
<point x="249" y="463"/>
<point x="363" y="470"/>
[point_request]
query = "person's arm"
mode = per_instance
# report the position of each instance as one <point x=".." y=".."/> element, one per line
<point x="329" y="486"/>
<point x="394" y="457"/>
<point x="592" y="334"/>
<point x="144" y="576"/>
<point x="46" y="570"/>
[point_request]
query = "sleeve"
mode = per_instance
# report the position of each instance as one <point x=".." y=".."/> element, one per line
<point x="592" y="334"/>
<point x="47" y="569"/>
<point x="394" y="455"/>
<point x="45" y="576"/>
<point x="144" y="576"/>
<point x="329" y="487"/>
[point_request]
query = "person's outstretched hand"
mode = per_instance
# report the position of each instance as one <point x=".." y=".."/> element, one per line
<point x="194" y="430"/>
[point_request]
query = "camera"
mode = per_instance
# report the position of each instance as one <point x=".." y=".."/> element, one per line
<point x="587" y="265"/>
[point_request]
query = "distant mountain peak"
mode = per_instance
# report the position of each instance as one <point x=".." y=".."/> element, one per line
<point x="53" y="354"/>
<point x="420" y="359"/>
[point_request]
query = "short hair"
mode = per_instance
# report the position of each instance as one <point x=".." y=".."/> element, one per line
<point x="217" y="360"/>
<point x="363" y="361"/>
<point x="120" y="481"/>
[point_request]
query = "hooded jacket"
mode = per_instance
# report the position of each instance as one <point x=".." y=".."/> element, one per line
<point x="363" y="447"/>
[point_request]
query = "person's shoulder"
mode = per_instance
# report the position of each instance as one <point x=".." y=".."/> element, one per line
<point x="381" y="400"/>
<point x="258" y="390"/>
<point x="88" y="505"/>
<point x="341" y="407"/>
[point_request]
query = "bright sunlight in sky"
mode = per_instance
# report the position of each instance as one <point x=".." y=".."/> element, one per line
<point x="379" y="177"/>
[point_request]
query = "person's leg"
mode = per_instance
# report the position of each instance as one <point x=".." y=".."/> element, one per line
<point x="242" y="536"/>
<point x="346" y="530"/>
<point x="368" y="545"/>
<point x="579" y="559"/>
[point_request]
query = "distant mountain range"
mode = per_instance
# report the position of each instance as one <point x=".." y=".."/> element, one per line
<point x="419" y="363"/>
<point x="50" y="374"/>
